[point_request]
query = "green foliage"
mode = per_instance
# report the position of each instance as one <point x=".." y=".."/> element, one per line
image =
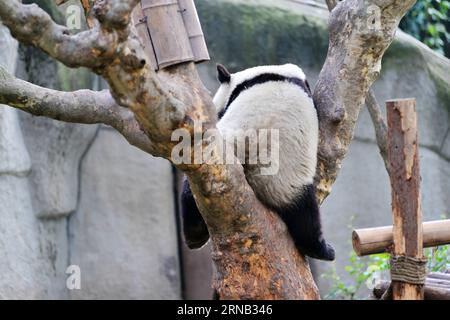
<point x="361" y="271"/>
<point x="438" y="258"/>
<point x="429" y="22"/>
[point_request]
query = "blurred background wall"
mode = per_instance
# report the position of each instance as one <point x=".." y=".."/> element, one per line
<point x="80" y="195"/>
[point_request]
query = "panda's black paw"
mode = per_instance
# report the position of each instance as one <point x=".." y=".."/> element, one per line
<point x="196" y="240"/>
<point x="321" y="251"/>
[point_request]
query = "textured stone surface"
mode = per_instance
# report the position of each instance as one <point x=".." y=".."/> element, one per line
<point x="56" y="149"/>
<point x="445" y="149"/>
<point x="14" y="158"/>
<point x="412" y="70"/>
<point x="197" y="265"/>
<point x="34" y="252"/>
<point x="241" y="34"/>
<point x="21" y="268"/>
<point x="123" y="235"/>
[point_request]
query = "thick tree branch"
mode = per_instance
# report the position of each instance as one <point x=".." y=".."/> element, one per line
<point x="253" y="253"/>
<point x="379" y="124"/>
<point x="82" y="106"/>
<point x="32" y="25"/>
<point x="376" y="115"/>
<point x="375" y="112"/>
<point x="246" y="235"/>
<point x="360" y="32"/>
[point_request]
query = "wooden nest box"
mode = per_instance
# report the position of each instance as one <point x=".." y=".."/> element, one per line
<point x="170" y="31"/>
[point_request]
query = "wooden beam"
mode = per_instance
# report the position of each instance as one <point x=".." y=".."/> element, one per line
<point x="377" y="240"/>
<point x="430" y="292"/>
<point x="439" y="275"/>
<point x="403" y="158"/>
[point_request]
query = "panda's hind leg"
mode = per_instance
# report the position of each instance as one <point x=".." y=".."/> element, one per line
<point x="194" y="227"/>
<point x="302" y="219"/>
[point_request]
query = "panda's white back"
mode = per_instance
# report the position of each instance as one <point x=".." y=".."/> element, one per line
<point x="278" y="105"/>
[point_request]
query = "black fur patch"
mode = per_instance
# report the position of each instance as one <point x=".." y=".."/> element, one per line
<point x="263" y="78"/>
<point x="223" y="75"/>
<point x="302" y="219"/>
<point x="194" y="227"/>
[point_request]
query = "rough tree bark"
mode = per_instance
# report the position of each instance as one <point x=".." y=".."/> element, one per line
<point x="252" y="251"/>
<point x="360" y="32"/>
<point x="375" y="112"/>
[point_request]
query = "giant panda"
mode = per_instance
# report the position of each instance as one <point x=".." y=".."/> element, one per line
<point x="272" y="97"/>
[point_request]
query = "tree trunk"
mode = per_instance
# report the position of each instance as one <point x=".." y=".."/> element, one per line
<point x="253" y="253"/>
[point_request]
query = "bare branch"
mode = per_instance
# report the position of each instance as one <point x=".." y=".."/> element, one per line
<point x="32" y="25"/>
<point x="374" y="110"/>
<point x="112" y="49"/>
<point x="245" y="233"/>
<point x="115" y="14"/>
<point x="360" y="32"/>
<point x="82" y="106"/>
<point x="379" y="124"/>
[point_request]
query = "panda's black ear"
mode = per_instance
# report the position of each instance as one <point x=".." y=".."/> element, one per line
<point x="308" y="87"/>
<point x="223" y="74"/>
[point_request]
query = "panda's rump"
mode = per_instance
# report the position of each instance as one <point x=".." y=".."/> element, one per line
<point x="285" y="107"/>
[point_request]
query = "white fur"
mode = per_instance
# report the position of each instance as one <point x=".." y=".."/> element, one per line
<point x="275" y="105"/>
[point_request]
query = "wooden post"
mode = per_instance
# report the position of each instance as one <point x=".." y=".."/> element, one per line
<point x="403" y="157"/>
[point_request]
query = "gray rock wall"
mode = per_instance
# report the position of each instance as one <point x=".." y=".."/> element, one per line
<point x="123" y="234"/>
<point x="79" y="195"/>
<point x="21" y="267"/>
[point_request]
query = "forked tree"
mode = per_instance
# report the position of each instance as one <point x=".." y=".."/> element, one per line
<point x="252" y="251"/>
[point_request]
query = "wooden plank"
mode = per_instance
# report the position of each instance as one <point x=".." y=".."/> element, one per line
<point x="432" y="282"/>
<point x="377" y="240"/>
<point x="403" y="157"/>
<point x="439" y="275"/>
<point x="167" y="32"/>
<point x="194" y="30"/>
<point x="140" y="23"/>
<point x="430" y="292"/>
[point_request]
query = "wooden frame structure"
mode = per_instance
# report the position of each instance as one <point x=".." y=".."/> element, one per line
<point x="171" y="31"/>
<point x="408" y="236"/>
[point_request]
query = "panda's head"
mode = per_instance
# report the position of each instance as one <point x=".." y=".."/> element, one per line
<point x="232" y="84"/>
